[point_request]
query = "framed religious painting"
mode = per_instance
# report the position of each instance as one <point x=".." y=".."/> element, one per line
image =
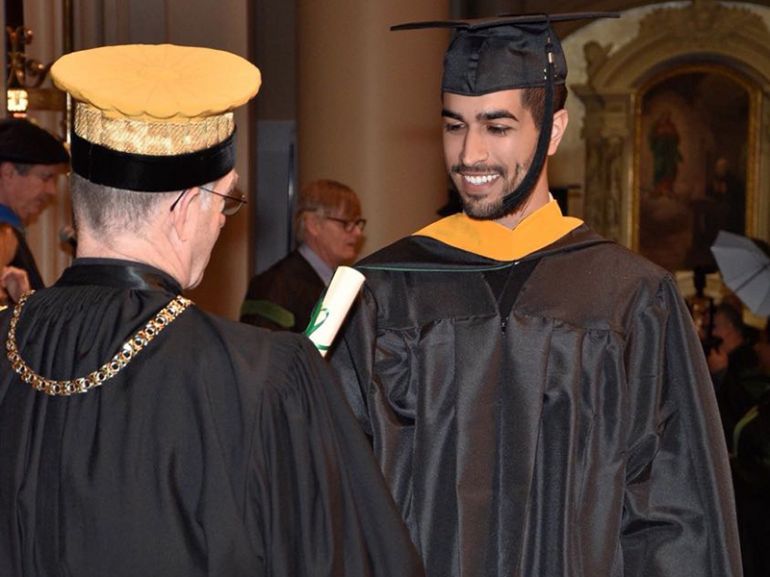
<point x="696" y="148"/>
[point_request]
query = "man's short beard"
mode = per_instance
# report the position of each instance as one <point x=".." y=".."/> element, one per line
<point x="497" y="209"/>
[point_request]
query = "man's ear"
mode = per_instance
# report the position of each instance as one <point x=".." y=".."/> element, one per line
<point x="312" y="224"/>
<point x="560" y="121"/>
<point x="184" y="213"/>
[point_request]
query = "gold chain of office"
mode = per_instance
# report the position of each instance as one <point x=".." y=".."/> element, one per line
<point x="125" y="354"/>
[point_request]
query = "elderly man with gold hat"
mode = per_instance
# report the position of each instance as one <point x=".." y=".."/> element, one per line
<point x="138" y="434"/>
<point x="536" y="395"/>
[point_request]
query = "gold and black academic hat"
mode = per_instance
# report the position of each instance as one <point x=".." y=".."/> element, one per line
<point x="154" y="118"/>
<point x="501" y="53"/>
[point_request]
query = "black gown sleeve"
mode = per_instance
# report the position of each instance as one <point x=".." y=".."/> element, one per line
<point x="678" y="515"/>
<point x="316" y="489"/>
<point x="264" y="304"/>
<point x="352" y="356"/>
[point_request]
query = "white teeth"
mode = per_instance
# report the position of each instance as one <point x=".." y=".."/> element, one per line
<point x="481" y="179"/>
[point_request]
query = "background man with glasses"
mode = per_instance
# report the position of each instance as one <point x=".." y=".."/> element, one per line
<point x="330" y="229"/>
<point x="139" y="434"/>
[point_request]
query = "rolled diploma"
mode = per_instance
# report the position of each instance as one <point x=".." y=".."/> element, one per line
<point x="334" y="307"/>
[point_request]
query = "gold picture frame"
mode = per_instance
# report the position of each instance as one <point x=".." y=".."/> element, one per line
<point x="696" y="162"/>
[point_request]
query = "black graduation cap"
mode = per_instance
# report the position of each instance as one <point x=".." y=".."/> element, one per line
<point x="25" y="143"/>
<point x="507" y="52"/>
<point x="511" y="51"/>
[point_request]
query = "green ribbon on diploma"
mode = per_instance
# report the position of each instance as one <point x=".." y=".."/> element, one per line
<point x="317" y="318"/>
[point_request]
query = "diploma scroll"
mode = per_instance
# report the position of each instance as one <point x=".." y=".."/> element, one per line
<point x="331" y="311"/>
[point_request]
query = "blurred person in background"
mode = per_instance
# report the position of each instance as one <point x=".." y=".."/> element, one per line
<point x="330" y="230"/>
<point x="744" y="403"/>
<point x="13" y="281"/>
<point x="731" y="346"/>
<point x="31" y="159"/>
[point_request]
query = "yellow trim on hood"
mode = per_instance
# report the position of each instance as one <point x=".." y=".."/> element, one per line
<point x="492" y="240"/>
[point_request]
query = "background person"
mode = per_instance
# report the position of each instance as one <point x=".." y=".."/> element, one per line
<point x="330" y="230"/>
<point x="139" y="434"/>
<point x="31" y="159"/>
<point x="701" y="309"/>
<point x="13" y="281"/>
<point x="733" y="348"/>
<point x="536" y="395"/>
<point x="744" y="403"/>
<point x="762" y="348"/>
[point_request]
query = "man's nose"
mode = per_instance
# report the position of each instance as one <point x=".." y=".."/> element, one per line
<point x="474" y="148"/>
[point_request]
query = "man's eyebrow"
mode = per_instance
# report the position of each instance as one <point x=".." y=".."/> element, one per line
<point x="496" y="115"/>
<point x="449" y="114"/>
<point x="481" y="116"/>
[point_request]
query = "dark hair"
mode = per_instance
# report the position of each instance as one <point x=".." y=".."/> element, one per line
<point x="533" y="99"/>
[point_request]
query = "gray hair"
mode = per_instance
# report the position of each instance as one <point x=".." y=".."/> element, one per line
<point x="327" y="197"/>
<point x="105" y="209"/>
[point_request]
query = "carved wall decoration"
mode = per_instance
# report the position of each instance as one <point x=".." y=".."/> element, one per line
<point x="670" y="41"/>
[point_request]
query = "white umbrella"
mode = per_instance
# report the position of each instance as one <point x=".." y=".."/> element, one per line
<point x="745" y="268"/>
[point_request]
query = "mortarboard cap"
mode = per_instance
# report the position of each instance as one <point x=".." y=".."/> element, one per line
<point x="154" y="118"/>
<point x="492" y="54"/>
<point x="25" y="143"/>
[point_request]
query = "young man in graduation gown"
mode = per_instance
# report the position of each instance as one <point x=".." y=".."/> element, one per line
<point x="138" y="434"/>
<point x="30" y="161"/>
<point x="536" y="395"/>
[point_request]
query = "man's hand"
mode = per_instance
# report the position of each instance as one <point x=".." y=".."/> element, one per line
<point x="14" y="282"/>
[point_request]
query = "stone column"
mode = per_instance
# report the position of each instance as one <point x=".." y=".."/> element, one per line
<point x="609" y="154"/>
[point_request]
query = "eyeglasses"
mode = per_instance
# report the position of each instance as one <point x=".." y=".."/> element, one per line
<point x="232" y="203"/>
<point x="348" y="225"/>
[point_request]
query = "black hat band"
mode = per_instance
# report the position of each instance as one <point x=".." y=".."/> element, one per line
<point x="147" y="173"/>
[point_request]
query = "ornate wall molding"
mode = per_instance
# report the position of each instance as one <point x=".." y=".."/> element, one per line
<point x="704" y="32"/>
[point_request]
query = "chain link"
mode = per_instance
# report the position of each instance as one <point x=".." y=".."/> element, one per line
<point x="125" y="355"/>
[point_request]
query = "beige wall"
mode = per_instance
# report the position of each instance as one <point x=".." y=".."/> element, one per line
<point x="369" y="109"/>
<point x="224" y="25"/>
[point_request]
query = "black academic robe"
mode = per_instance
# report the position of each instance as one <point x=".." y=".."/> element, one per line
<point x="283" y="296"/>
<point x="575" y="433"/>
<point x="219" y="450"/>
